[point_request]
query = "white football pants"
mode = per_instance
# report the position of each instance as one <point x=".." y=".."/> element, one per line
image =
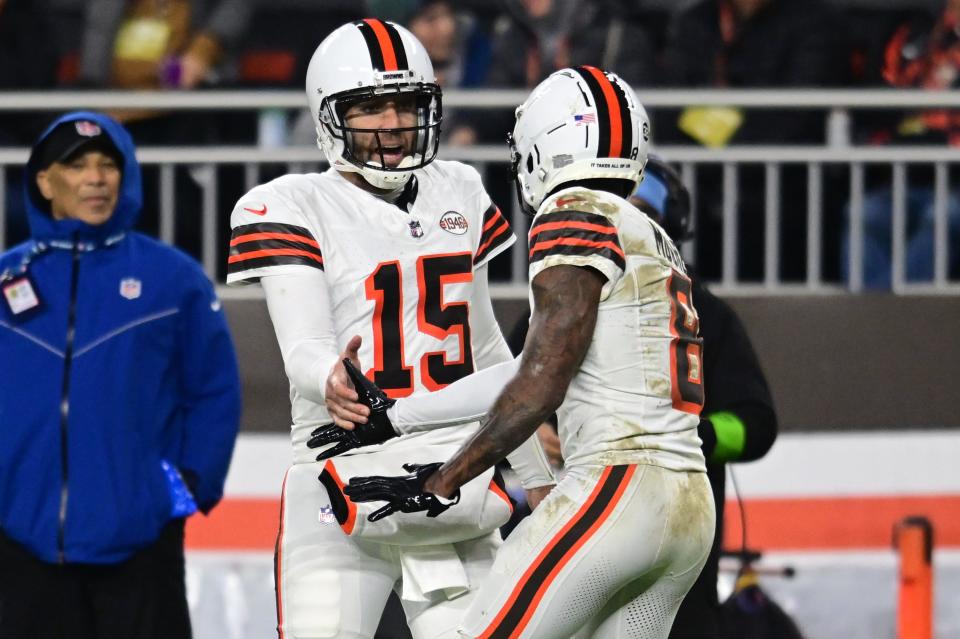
<point x="610" y="553"/>
<point x="331" y="585"/>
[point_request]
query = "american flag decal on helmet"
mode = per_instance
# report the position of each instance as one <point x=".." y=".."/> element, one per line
<point x="384" y="43"/>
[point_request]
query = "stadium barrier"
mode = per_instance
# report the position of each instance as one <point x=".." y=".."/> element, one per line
<point x="836" y="105"/>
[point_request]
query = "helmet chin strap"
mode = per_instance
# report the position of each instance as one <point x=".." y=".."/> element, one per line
<point x="394" y="179"/>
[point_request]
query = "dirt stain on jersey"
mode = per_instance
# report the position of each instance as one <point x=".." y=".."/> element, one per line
<point x="639" y="244"/>
<point x="658" y="381"/>
<point x="587" y="202"/>
<point x="692" y="509"/>
<point x="644" y="282"/>
<point x="534" y="531"/>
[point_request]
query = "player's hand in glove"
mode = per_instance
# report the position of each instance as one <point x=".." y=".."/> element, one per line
<point x="376" y="430"/>
<point x="403" y="494"/>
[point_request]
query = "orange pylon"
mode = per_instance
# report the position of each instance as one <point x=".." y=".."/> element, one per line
<point x="913" y="539"/>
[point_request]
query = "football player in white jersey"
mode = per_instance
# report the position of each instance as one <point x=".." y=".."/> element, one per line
<point x="613" y="349"/>
<point x="391" y="245"/>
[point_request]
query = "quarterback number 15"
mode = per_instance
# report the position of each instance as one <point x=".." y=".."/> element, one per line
<point x="384" y="287"/>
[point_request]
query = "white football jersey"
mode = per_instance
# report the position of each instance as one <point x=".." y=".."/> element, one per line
<point x="639" y="391"/>
<point x="399" y="274"/>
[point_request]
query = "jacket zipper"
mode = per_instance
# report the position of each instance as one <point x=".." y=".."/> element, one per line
<point x="65" y="400"/>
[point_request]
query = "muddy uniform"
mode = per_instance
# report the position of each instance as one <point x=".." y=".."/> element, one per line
<point x="617" y="544"/>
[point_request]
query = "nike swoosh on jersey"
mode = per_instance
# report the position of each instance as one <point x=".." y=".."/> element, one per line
<point x="262" y="211"/>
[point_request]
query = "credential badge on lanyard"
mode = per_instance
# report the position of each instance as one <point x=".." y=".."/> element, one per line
<point x="21" y="295"/>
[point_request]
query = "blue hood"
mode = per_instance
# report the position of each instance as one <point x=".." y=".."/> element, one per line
<point x="42" y="225"/>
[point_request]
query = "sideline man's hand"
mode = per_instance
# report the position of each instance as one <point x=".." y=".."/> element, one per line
<point x="376" y="430"/>
<point x="402" y="493"/>
<point x="342" y="401"/>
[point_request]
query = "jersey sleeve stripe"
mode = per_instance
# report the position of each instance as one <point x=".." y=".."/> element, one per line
<point x="282" y="243"/>
<point x="571" y="216"/>
<point x="261" y="247"/>
<point x="251" y="255"/>
<point x="578" y="247"/>
<point x="499" y="235"/>
<point x="549" y="227"/>
<point x="575" y="241"/>
<point x="274" y="227"/>
<point x="287" y="237"/>
<point x="491" y="218"/>
<point x="496" y="231"/>
<point x="568" y="236"/>
<point x="251" y="264"/>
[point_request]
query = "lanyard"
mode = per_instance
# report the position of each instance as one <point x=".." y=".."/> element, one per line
<point x="40" y="248"/>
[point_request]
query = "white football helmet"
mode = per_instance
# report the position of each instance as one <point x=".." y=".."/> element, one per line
<point x="364" y="60"/>
<point x="578" y="124"/>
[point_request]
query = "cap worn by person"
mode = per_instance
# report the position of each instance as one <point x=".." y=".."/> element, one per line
<point x="663" y="196"/>
<point x="71" y="139"/>
<point x="653" y="191"/>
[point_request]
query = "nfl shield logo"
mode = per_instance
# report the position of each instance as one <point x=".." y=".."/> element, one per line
<point x="87" y="128"/>
<point x="326" y="515"/>
<point x="130" y="288"/>
<point x="415" y="229"/>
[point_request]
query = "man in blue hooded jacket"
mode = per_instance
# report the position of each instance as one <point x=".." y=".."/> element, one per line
<point x="119" y="400"/>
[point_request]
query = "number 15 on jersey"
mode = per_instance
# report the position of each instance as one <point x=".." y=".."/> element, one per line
<point x="391" y="371"/>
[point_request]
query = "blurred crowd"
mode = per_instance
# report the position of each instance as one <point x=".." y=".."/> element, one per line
<point x="197" y="44"/>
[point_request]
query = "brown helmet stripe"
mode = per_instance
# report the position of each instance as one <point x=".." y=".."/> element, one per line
<point x="398" y="48"/>
<point x="616" y="138"/>
<point x="384" y="43"/>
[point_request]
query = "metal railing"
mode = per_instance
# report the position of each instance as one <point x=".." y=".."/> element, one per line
<point x="836" y="105"/>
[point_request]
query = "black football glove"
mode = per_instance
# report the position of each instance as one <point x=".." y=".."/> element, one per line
<point x="403" y="493"/>
<point x="377" y="430"/>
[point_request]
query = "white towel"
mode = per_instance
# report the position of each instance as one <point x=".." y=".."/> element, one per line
<point x="429" y="569"/>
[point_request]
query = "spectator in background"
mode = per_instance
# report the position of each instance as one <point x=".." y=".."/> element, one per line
<point x="120" y="401"/>
<point x="923" y="52"/>
<point x="23" y="66"/>
<point x="534" y="38"/>
<point x="456" y="45"/>
<point x="435" y="25"/>
<point x="738" y="422"/>
<point x="459" y="51"/>
<point x="142" y="44"/>
<point x="744" y="44"/>
<point x="537" y="37"/>
<point x="138" y="44"/>
<point x="168" y="44"/>
<point x="753" y="44"/>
